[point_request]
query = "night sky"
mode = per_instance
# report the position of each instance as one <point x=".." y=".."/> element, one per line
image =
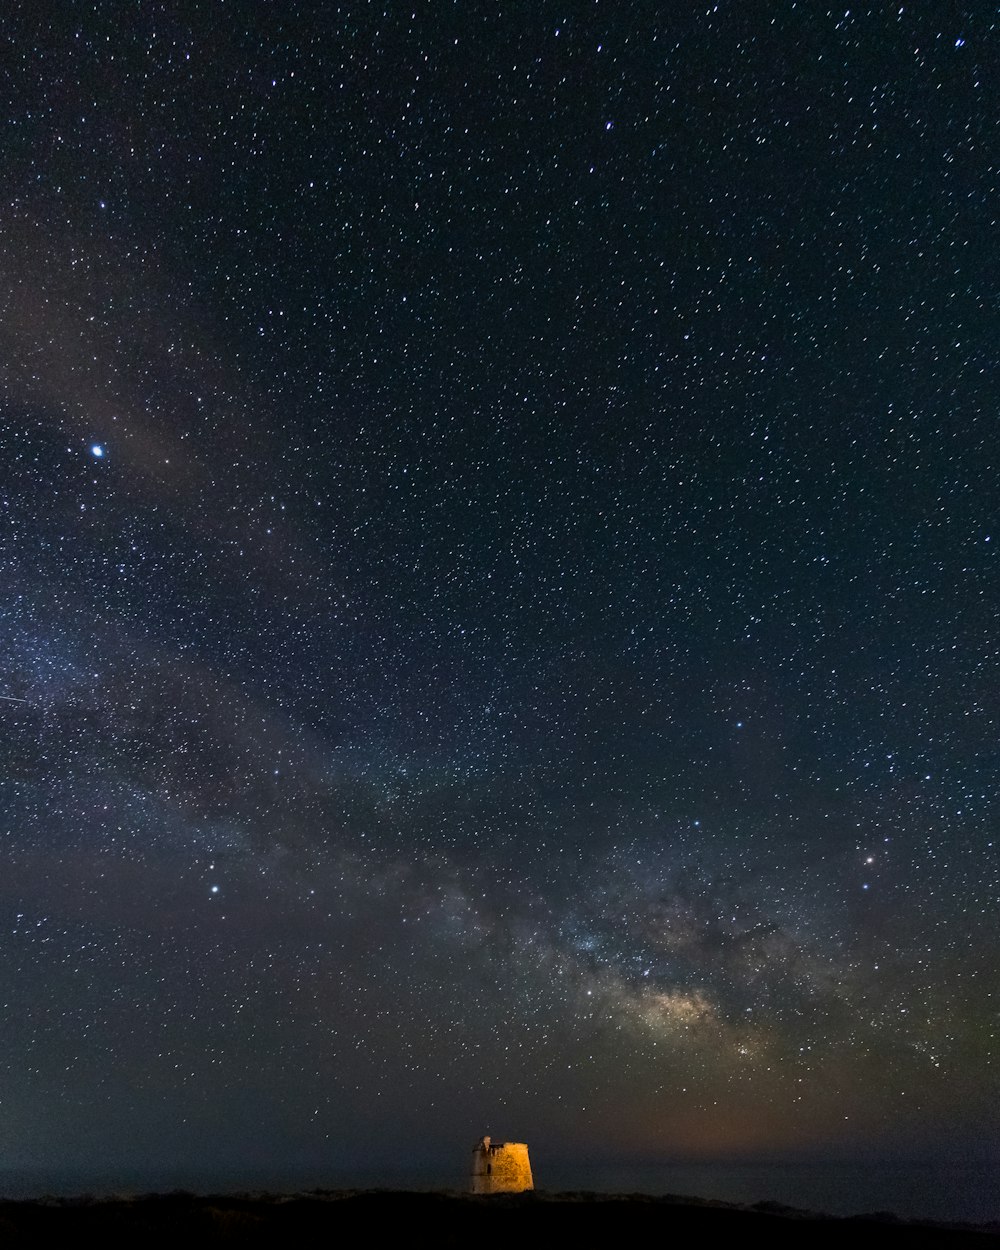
<point x="499" y="619"/>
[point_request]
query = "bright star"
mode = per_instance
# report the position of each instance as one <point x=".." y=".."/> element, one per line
<point x="97" y="451"/>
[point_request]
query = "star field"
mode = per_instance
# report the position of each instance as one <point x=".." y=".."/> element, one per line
<point x="499" y="533"/>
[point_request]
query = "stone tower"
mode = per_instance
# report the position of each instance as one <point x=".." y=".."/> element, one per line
<point x="500" y="1167"/>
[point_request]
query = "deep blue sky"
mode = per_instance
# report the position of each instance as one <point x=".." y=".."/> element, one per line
<point x="499" y="535"/>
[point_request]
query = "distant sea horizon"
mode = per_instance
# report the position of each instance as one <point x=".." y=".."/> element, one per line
<point x="948" y="1192"/>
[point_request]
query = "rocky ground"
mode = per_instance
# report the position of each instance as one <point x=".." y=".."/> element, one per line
<point x="438" y="1220"/>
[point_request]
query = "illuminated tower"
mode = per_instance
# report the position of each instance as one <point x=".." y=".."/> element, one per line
<point x="500" y="1167"/>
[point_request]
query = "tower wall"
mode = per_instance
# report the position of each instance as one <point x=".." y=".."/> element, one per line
<point x="500" y="1168"/>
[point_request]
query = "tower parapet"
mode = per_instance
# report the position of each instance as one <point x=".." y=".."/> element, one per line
<point x="500" y="1167"/>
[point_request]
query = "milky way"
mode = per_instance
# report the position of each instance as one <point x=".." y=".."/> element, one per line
<point x="500" y="604"/>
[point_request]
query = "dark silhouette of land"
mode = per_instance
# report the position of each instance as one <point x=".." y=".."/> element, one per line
<point x="417" y="1220"/>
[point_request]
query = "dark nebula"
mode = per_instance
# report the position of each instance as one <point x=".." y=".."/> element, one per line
<point x="500" y="609"/>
